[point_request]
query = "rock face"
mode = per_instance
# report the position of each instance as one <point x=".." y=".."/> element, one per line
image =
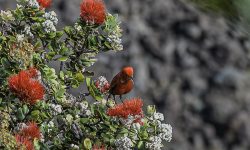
<point x="193" y="66"/>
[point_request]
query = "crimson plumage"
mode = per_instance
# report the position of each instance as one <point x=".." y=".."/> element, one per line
<point x="122" y="83"/>
<point x="44" y="3"/>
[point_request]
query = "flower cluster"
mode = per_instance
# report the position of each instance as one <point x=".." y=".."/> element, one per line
<point x="7" y="140"/>
<point x="32" y="3"/>
<point x="123" y="143"/>
<point x="20" y="38"/>
<point x="83" y="108"/>
<point x="157" y="116"/>
<point x="26" y="88"/>
<point x="51" y="16"/>
<point x="114" y="36"/>
<point x="128" y="108"/>
<point x="28" y="32"/>
<point x="49" y="26"/>
<point x="55" y="109"/>
<point x="7" y="15"/>
<point x="102" y="84"/>
<point x="78" y="27"/>
<point x="93" y="11"/>
<point x="155" y="143"/>
<point x="165" y="132"/>
<point x="27" y="135"/>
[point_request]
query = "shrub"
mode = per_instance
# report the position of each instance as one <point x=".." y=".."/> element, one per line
<point x="36" y="110"/>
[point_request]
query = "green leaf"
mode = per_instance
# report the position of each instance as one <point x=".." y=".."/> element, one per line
<point x="74" y="83"/>
<point x="88" y="80"/>
<point x="52" y="35"/>
<point x="59" y="33"/>
<point x="50" y="55"/>
<point x="140" y="145"/>
<point x="38" y="44"/>
<point x="61" y="75"/>
<point x="35" y="114"/>
<point x="37" y="19"/>
<point x="69" y="118"/>
<point x="20" y="114"/>
<point x="84" y="120"/>
<point x="63" y="58"/>
<point x="63" y="50"/>
<point x="112" y="128"/>
<point x="50" y="47"/>
<point x="25" y="109"/>
<point x="5" y="62"/>
<point x="36" y="144"/>
<point x="87" y="144"/>
<point x="79" y="77"/>
<point x="68" y="30"/>
<point x="144" y="134"/>
<point x="107" y="44"/>
<point x="93" y="90"/>
<point x="124" y="131"/>
<point x="151" y="110"/>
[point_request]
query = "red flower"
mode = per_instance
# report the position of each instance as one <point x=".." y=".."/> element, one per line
<point x="93" y="11"/>
<point x="27" y="135"/>
<point x="26" y="88"/>
<point x="44" y="3"/>
<point x="22" y="141"/>
<point x="96" y="147"/>
<point x="32" y="131"/>
<point x="128" y="107"/>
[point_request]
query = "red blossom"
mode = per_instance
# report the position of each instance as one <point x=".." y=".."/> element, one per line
<point x="32" y="131"/>
<point x="44" y="3"/>
<point x="26" y="88"/>
<point x="128" y="107"/>
<point x="93" y="11"/>
<point x="96" y="147"/>
<point x="26" y="136"/>
<point x="22" y="141"/>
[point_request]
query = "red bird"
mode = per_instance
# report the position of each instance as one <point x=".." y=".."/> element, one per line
<point x="122" y="83"/>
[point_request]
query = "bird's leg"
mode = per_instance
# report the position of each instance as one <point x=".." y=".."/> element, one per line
<point x="108" y="97"/>
<point x="121" y="98"/>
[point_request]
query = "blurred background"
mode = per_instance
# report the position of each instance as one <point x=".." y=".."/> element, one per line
<point x="191" y="59"/>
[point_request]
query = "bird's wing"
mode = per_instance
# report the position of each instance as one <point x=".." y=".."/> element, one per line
<point x="116" y="80"/>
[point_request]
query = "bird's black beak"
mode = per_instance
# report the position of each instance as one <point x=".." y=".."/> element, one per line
<point x="131" y="78"/>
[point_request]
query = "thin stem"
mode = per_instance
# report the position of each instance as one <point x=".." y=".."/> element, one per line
<point x="61" y="66"/>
